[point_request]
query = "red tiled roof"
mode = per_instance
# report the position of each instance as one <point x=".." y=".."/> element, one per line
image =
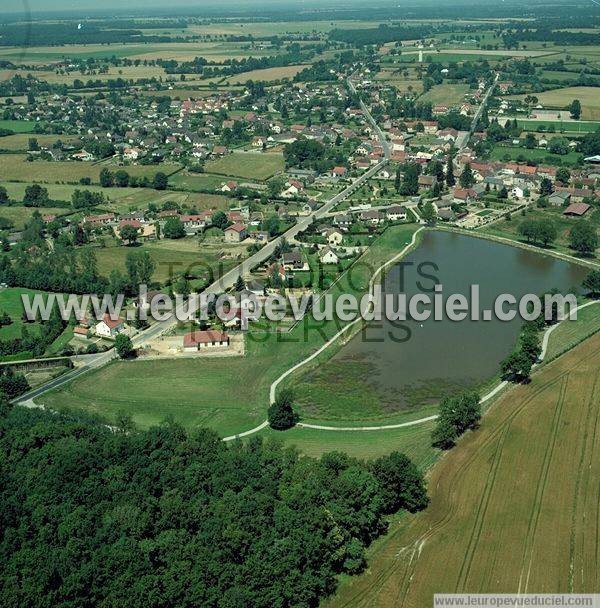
<point x="204" y="337"/>
<point x="110" y="323"/>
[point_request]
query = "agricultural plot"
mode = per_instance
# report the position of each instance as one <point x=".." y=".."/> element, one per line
<point x="446" y="93"/>
<point x="514" y="506"/>
<point x="114" y="73"/>
<point x="173" y="258"/>
<point x="562" y="98"/>
<point x="11" y="304"/>
<point x="559" y="126"/>
<point x="249" y="165"/>
<point x="20" y="215"/>
<point x="507" y="153"/>
<point x="267" y="74"/>
<point x="15" y="167"/>
<point x="18" y="126"/>
<point x="20" y="142"/>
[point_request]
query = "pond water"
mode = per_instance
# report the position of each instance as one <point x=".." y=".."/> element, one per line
<point x="440" y="356"/>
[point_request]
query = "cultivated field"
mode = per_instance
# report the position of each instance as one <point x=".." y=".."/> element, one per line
<point x="267" y="74"/>
<point x="562" y="98"/>
<point x="514" y="507"/>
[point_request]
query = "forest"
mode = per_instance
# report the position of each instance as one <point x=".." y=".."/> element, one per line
<point x="99" y="516"/>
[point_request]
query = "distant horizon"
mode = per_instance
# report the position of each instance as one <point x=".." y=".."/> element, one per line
<point x="157" y="8"/>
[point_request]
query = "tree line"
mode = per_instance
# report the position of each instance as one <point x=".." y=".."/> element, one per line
<point x="165" y="517"/>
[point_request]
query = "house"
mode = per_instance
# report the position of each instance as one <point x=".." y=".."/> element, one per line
<point x="576" y="209"/>
<point x="464" y="195"/>
<point x="82" y="155"/>
<point x="133" y="223"/>
<point x="109" y="328"/>
<point x="229" y="186"/>
<point x="235" y="233"/>
<point x="292" y="260"/>
<point x="219" y="151"/>
<point x="338" y="172"/>
<point x="145" y="300"/>
<point x="99" y="220"/>
<point x="256" y="287"/>
<point x="210" y="338"/>
<point x="334" y="236"/>
<point x="372" y="217"/>
<point x="81" y="332"/>
<point x="427" y="181"/>
<point x="395" y="213"/>
<point x="194" y="223"/>
<point x="343" y="220"/>
<point x="559" y="199"/>
<point x="328" y="256"/>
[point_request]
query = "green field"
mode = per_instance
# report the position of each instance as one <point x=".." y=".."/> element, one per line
<point x="173" y="257"/>
<point x="10" y="303"/>
<point x="450" y="94"/>
<point x="509" y="228"/>
<point x="561" y="98"/>
<point x="14" y="167"/>
<point x="20" y="141"/>
<point x="537" y="155"/>
<point x="414" y="441"/>
<point x="570" y="333"/>
<point x="514" y="507"/>
<point x="19" y="215"/>
<point x="120" y="199"/>
<point x="18" y="126"/>
<point x="229" y="394"/>
<point x="560" y="126"/>
<point x="257" y="166"/>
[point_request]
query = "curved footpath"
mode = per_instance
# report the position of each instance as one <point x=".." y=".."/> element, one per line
<point x="491" y="394"/>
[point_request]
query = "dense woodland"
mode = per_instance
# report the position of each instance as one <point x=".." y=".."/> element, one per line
<point x="90" y="516"/>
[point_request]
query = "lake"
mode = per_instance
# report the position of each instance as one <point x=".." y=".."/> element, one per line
<point x="441" y="356"/>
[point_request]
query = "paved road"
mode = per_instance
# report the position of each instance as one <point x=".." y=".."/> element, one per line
<point x="228" y="279"/>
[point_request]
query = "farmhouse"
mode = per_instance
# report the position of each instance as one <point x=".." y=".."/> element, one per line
<point x="339" y="172"/>
<point x="197" y="340"/>
<point x="109" y="328"/>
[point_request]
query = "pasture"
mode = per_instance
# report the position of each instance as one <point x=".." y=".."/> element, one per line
<point x="450" y="94"/>
<point x="514" y="506"/>
<point x="20" y="215"/>
<point x="249" y="165"/>
<point x="16" y="168"/>
<point x="20" y="142"/>
<point x="11" y="304"/>
<point x="173" y="257"/>
<point x="539" y="155"/>
<point x="18" y="126"/>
